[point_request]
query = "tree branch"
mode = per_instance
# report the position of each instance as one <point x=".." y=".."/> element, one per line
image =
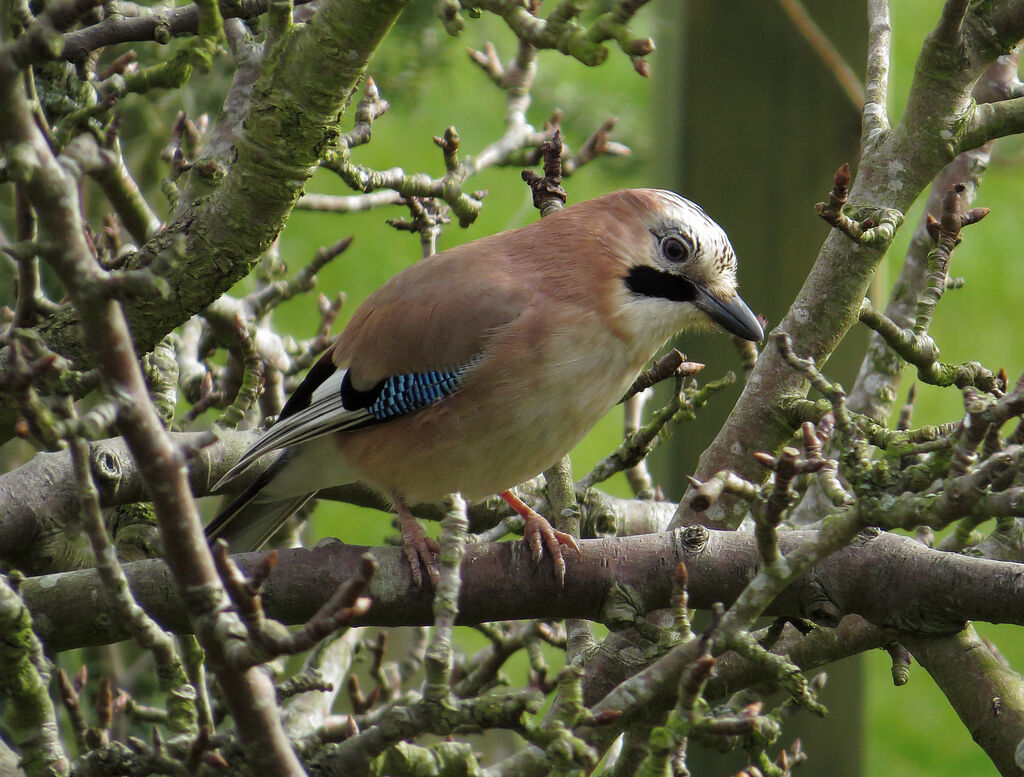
<point x="53" y="192"/>
<point x="159" y="27"/>
<point x="892" y="581"/>
<point x="875" y="121"/>
<point x="986" y="693"/>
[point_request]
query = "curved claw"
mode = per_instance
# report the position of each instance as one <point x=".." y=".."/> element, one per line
<point x="417" y="546"/>
<point x="539" y="535"/>
<point x="538" y="532"/>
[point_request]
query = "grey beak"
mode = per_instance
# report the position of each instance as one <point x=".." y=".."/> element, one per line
<point x="732" y="315"/>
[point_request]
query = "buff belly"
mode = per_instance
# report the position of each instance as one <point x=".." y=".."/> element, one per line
<point x="518" y="428"/>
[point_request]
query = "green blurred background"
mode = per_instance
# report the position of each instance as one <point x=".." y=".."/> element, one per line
<point x="739" y="115"/>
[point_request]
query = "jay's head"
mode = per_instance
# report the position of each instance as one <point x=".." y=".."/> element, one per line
<point x="676" y="265"/>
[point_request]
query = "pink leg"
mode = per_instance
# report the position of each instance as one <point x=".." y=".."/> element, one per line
<point x="418" y="547"/>
<point x="539" y="534"/>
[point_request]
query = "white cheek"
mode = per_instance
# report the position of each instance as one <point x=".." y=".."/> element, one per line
<point x="652" y="321"/>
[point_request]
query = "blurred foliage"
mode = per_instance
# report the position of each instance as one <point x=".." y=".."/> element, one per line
<point x="431" y="84"/>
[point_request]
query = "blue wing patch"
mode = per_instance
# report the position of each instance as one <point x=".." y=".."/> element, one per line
<point x="401" y="394"/>
<point x="330" y="403"/>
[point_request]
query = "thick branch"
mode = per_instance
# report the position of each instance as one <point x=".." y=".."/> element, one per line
<point x="892" y="581"/>
<point x="986" y="693"/>
<point x="39" y="498"/>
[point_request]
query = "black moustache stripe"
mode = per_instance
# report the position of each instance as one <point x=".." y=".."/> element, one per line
<point x="655" y="283"/>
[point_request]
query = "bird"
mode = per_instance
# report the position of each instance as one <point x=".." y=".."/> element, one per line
<point x="475" y="369"/>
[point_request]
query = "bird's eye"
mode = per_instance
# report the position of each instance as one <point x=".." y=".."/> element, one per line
<point x="674" y="249"/>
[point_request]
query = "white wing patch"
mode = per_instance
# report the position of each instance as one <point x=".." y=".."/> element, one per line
<point x="393" y="397"/>
<point x="325" y="414"/>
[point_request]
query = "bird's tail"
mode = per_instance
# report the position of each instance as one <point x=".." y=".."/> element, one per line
<point x="248" y="522"/>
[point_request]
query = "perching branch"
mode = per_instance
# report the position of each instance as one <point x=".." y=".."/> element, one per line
<point x="610" y="583"/>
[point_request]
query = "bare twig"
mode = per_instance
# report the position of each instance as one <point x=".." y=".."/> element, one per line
<point x="269" y="639"/>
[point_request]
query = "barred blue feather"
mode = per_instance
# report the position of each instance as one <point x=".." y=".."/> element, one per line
<point x="401" y="394"/>
<point x="330" y="403"/>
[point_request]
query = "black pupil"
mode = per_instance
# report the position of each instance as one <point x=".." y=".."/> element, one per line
<point x="674" y="249"/>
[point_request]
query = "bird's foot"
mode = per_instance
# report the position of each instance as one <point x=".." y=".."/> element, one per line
<point x="417" y="546"/>
<point x="540" y="535"/>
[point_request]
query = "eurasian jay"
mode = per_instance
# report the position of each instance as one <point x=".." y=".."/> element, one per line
<point x="475" y="369"/>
